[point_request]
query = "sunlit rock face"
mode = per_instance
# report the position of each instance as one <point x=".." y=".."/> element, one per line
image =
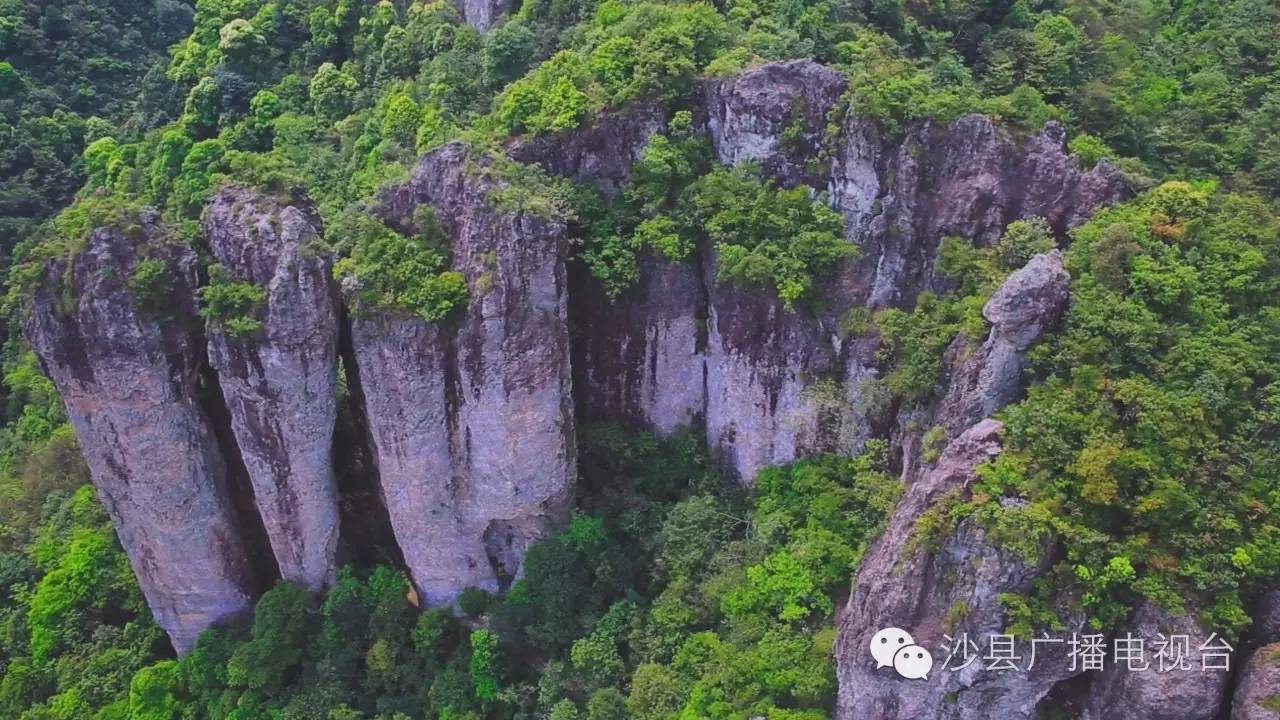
<point x="935" y="588"/>
<point x="128" y="369"/>
<point x="768" y="383"/>
<point x="471" y="419"/>
<point x="484" y="14"/>
<point x="280" y="382"/>
<point x="468" y="423"/>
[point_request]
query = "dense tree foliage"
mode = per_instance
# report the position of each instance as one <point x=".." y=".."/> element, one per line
<point x="73" y="72"/>
<point x="1149" y="447"/>
<point x="670" y="589"/>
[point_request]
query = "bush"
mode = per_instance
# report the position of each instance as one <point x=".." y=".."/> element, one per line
<point x="232" y="306"/>
<point x="767" y="236"/>
<point x="388" y="270"/>
<point x="1022" y="240"/>
<point x="1089" y="148"/>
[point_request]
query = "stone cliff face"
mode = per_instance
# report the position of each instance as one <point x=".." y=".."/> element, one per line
<point x="280" y="383"/>
<point x="600" y="154"/>
<point x="776" y="383"/>
<point x="774" y="114"/>
<point x="483" y="14"/>
<point x="1258" y="687"/>
<point x="949" y="588"/>
<point x="128" y="369"/>
<point x="472" y="422"/>
<point x="1119" y="693"/>
<point x="950" y="585"/>
<point x="1255" y="696"/>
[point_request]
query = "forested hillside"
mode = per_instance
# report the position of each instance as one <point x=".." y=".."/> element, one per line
<point x="758" y="306"/>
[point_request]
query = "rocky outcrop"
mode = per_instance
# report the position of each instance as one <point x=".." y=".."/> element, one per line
<point x="968" y="178"/>
<point x="280" y="382"/>
<point x="950" y="585"/>
<point x="941" y="590"/>
<point x="1257" y="692"/>
<point x="1193" y="693"/>
<point x="471" y="421"/>
<point x="601" y="153"/>
<point x="1257" y="697"/>
<point x="1030" y="301"/>
<point x="774" y="114"/>
<point x="779" y="383"/>
<point x="483" y="14"/>
<point x="123" y="348"/>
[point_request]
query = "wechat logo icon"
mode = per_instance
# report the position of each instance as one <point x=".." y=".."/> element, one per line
<point x="894" y="647"/>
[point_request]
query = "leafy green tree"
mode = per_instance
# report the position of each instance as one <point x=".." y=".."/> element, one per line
<point x="155" y="691"/>
<point x="484" y="664"/>
<point x="331" y="90"/>
<point x="278" y="641"/>
<point x="767" y="236"/>
<point x="1022" y="240"/>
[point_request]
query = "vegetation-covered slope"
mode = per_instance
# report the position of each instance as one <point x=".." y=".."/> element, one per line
<point x="1147" y="445"/>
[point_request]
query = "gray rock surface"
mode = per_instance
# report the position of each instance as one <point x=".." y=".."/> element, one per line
<point x="280" y="383"/>
<point x="764" y="364"/>
<point x="951" y="585"/>
<point x="472" y="426"/>
<point x="1257" y="696"/>
<point x="483" y="14"/>
<point x="968" y="178"/>
<point x="933" y="589"/>
<point x="655" y="378"/>
<point x="128" y="371"/>
<point x="1121" y="693"/>
<point x="774" y="114"/>
<point x="770" y="374"/>
<point x="1030" y="301"/>
<point x="600" y="153"/>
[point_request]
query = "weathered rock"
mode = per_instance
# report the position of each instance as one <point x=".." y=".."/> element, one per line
<point x="483" y="14"/>
<point x="774" y="114"/>
<point x="1122" y="693"/>
<point x="128" y="370"/>
<point x="472" y="421"/>
<point x="770" y="373"/>
<point x="655" y="379"/>
<point x="1266" y="616"/>
<point x="1257" y="697"/>
<point x="764" y="367"/>
<point x="601" y="153"/>
<point x="948" y="589"/>
<point x="280" y="383"/>
<point x="404" y="373"/>
<point x="953" y="587"/>
<point x="969" y="179"/>
<point x="855" y="185"/>
<point x="1030" y="301"/>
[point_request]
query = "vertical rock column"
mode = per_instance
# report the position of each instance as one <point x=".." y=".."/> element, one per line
<point x="126" y="362"/>
<point x="951" y="585"/>
<point x="279" y="382"/>
<point x="471" y="420"/>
